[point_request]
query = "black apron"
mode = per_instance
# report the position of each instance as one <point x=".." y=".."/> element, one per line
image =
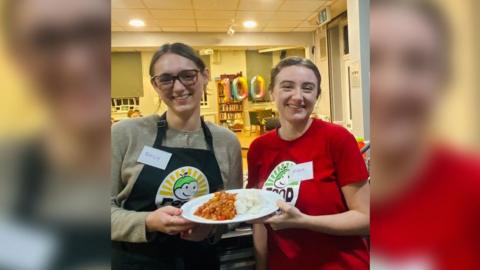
<point x="189" y="172"/>
<point x="79" y="246"/>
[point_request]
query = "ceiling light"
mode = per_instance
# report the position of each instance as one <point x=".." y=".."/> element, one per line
<point x="250" y="24"/>
<point x="136" y="23"/>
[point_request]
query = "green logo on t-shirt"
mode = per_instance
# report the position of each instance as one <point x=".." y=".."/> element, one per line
<point x="279" y="182"/>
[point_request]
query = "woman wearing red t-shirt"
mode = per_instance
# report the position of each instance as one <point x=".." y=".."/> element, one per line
<point x="425" y="204"/>
<point x="317" y="168"/>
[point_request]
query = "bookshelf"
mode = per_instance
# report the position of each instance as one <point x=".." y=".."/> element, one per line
<point x="230" y="114"/>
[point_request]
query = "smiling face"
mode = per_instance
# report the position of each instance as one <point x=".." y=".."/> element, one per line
<point x="295" y="93"/>
<point x="185" y="187"/>
<point x="179" y="98"/>
<point x="406" y="77"/>
<point x="63" y="49"/>
<point x="282" y="182"/>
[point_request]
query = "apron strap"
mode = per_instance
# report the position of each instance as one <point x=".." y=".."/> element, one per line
<point x="208" y="135"/>
<point x="162" y="127"/>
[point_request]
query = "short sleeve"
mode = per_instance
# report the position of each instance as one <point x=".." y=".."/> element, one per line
<point x="349" y="164"/>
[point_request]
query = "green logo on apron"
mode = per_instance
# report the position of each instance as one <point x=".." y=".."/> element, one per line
<point x="181" y="185"/>
<point x="185" y="187"/>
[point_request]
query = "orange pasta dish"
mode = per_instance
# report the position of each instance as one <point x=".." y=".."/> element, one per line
<point x="220" y="207"/>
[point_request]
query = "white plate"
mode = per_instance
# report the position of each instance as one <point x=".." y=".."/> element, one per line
<point x="269" y="206"/>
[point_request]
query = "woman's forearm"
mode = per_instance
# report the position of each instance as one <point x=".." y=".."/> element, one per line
<point x="352" y="222"/>
<point x="260" y="245"/>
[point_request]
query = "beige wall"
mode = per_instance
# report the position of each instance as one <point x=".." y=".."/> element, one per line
<point x="358" y="62"/>
<point x="459" y="111"/>
<point x="20" y="112"/>
<point x="149" y="103"/>
<point x="322" y="108"/>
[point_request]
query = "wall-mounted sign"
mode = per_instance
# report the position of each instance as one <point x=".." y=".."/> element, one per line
<point x="324" y="16"/>
<point x="355" y="80"/>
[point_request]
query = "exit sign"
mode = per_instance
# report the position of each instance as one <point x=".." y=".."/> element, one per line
<point x="324" y="16"/>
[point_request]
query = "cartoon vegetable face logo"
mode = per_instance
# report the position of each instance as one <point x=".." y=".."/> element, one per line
<point x="181" y="185"/>
<point x="185" y="187"/>
<point x="279" y="182"/>
<point x="281" y="176"/>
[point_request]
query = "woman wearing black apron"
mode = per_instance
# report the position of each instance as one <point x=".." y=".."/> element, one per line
<point x="160" y="162"/>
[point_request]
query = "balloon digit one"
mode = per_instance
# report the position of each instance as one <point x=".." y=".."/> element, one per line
<point x="240" y="83"/>
<point x="257" y="87"/>
<point x="226" y="90"/>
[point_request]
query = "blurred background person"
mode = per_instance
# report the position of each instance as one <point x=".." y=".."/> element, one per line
<point x="425" y="208"/>
<point x="134" y="113"/>
<point x="54" y="185"/>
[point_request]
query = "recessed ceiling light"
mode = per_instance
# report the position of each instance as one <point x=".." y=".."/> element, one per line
<point x="250" y="24"/>
<point x="136" y="23"/>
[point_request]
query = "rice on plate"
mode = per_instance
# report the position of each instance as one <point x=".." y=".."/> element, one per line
<point x="248" y="202"/>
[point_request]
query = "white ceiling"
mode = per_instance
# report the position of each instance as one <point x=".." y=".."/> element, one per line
<point x="215" y="15"/>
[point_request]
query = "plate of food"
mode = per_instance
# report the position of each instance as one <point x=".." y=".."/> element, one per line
<point x="231" y="206"/>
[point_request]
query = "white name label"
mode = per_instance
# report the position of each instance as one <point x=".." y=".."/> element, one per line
<point x="416" y="262"/>
<point x="302" y="171"/>
<point x="154" y="157"/>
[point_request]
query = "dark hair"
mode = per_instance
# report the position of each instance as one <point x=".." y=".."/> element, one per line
<point x="295" y="61"/>
<point x="180" y="49"/>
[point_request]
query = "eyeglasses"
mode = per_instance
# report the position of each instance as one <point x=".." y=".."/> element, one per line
<point x="166" y="81"/>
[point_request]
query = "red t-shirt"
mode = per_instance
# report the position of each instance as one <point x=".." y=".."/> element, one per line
<point x="435" y="224"/>
<point x="336" y="162"/>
